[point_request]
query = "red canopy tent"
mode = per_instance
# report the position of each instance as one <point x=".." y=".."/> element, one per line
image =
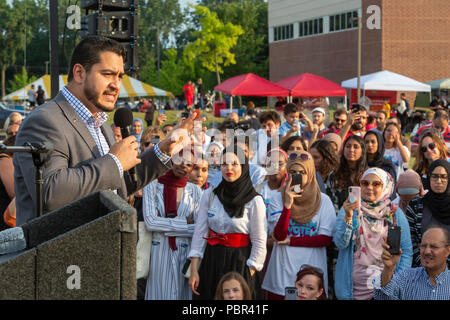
<point x="251" y="85"/>
<point x="310" y="85"/>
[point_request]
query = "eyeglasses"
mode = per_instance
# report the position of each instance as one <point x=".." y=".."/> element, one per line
<point x="340" y="120"/>
<point x="294" y="156"/>
<point x="431" y="146"/>
<point x="305" y="266"/>
<point x="432" y="247"/>
<point x="436" y="176"/>
<point x="375" y="184"/>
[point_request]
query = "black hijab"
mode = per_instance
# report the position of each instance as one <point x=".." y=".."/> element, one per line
<point x="379" y="161"/>
<point x="234" y="195"/>
<point x="439" y="203"/>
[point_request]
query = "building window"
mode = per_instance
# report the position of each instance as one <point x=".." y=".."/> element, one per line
<point x="283" y="32"/>
<point x="344" y="21"/>
<point x="310" y="27"/>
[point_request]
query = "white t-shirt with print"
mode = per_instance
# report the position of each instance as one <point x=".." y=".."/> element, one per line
<point x="395" y="156"/>
<point x="274" y="206"/>
<point x="285" y="261"/>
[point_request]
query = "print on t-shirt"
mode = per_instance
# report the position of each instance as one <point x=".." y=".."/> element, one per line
<point x="301" y="230"/>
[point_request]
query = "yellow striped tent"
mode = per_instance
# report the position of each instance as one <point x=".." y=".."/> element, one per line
<point x="131" y="87"/>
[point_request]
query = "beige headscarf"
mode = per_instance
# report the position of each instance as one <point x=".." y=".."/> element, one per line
<point x="333" y="137"/>
<point x="305" y="208"/>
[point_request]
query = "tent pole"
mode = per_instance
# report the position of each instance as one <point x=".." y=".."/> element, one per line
<point x="231" y="103"/>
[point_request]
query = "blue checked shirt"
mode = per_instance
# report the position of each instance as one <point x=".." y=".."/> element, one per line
<point x="94" y="126"/>
<point x="413" y="284"/>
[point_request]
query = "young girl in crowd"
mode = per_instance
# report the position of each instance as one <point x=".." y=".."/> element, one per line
<point x="169" y="205"/>
<point x="352" y="164"/>
<point x="431" y="209"/>
<point x="325" y="158"/>
<point x="136" y="129"/>
<point x="375" y="153"/>
<point x="276" y="160"/>
<point x="430" y="148"/>
<point x="230" y="232"/>
<point x="360" y="233"/>
<point x="213" y="156"/>
<point x="199" y="173"/>
<point x="395" y="151"/>
<point x="303" y="230"/>
<point x="310" y="283"/>
<point x="295" y="143"/>
<point x="232" y="286"/>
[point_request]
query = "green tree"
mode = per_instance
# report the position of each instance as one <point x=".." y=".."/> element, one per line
<point x="20" y="80"/>
<point x="158" y="20"/>
<point x="214" y="42"/>
<point x="12" y="35"/>
<point x="173" y="73"/>
<point x="251" y="51"/>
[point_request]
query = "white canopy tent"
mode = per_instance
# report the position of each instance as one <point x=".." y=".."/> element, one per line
<point x="131" y="87"/>
<point x="386" y="81"/>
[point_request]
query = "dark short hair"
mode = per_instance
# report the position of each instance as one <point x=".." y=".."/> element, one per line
<point x="358" y="107"/>
<point x="383" y="112"/>
<point x="441" y="114"/>
<point x="270" y="115"/>
<point x="339" y="112"/>
<point x="87" y="52"/>
<point x="290" y="108"/>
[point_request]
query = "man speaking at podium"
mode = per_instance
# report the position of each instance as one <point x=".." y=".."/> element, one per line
<point x="86" y="157"/>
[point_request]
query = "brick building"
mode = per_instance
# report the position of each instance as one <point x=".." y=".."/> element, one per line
<point x="321" y="37"/>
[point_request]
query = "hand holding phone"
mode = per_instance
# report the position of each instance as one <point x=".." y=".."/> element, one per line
<point x="290" y="293"/>
<point x="297" y="182"/>
<point x="393" y="239"/>
<point x="354" y="195"/>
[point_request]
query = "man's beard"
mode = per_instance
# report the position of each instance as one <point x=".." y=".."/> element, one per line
<point x="94" y="98"/>
<point x="357" y="127"/>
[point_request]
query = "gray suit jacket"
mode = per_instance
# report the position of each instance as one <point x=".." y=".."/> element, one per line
<point x="76" y="167"/>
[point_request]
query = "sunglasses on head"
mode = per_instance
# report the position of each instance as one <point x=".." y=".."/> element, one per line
<point x="431" y="146"/>
<point x="306" y="266"/>
<point x="294" y="156"/>
<point x="375" y="184"/>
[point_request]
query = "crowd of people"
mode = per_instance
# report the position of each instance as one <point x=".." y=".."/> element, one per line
<point x="231" y="212"/>
<point x="256" y="206"/>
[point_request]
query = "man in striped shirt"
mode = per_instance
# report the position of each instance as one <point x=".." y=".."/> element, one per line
<point x="429" y="282"/>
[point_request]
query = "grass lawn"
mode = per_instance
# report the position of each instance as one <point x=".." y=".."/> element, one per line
<point x="172" y="116"/>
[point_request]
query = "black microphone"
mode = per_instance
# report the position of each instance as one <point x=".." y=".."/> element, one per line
<point x="123" y="117"/>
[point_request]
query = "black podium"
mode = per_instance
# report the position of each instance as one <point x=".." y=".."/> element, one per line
<point x="85" y="250"/>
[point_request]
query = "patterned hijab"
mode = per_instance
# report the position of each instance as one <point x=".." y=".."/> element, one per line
<point x="305" y="208"/>
<point x="373" y="220"/>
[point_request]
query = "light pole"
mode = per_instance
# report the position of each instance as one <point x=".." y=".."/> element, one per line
<point x="158" y="65"/>
<point x="359" y="57"/>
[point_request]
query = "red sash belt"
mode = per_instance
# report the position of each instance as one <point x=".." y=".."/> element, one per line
<point x="235" y="240"/>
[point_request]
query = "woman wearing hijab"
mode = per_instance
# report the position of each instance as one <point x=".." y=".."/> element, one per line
<point x="336" y="141"/>
<point x="408" y="187"/>
<point x="303" y="231"/>
<point x="360" y="234"/>
<point x="213" y="156"/>
<point x="136" y="129"/>
<point x="431" y="209"/>
<point x="170" y="205"/>
<point x="230" y="232"/>
<point x="375" y="154"/>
